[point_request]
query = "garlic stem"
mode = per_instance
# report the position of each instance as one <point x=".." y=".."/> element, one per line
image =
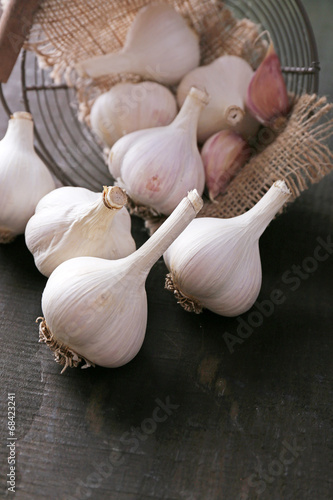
<point x="146" y="256"/>
<point x="188" y="116"/>
<point x="118" y="62"/>
<point x="259" y="216"/>
<point x="234" y="115"/>
<point x="113" y="198"/>
<point x="21" y="130"/>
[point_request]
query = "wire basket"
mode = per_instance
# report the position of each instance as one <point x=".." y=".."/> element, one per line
<point x="69" y="148"/>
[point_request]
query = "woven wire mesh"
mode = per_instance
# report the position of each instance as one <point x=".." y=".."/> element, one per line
<point x="69" y="148"/>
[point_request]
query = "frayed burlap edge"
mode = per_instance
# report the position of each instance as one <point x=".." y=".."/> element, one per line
<point x="68" y="31"/>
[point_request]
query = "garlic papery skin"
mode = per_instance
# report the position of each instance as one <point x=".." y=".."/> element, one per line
<point x="96" y="309"/>
<point x="24" y="178"/>
<point x="223" y="155"/>
<point x="127" y="107"/>
<point x="225" y="80"/>
<point x="215" y="263"/>
<point x="159" y="46"/>
<point x="267" y="96"/>
<point x="74" y="221"/>
<point x="158" y="166"/>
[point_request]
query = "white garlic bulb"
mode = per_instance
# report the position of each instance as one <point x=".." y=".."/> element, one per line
<point x="127" y="107"/>
<point x="24" y="178"/>
<point x="96" y="309"/>
<point x="74" y="221"/>
<point x="215" y="263"/>
<point x="159" y="46"/>
<point x="225" y="80"/>
<point x="158" y="166"/>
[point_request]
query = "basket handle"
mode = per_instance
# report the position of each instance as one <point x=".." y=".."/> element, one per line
<point x="15" y="24"/>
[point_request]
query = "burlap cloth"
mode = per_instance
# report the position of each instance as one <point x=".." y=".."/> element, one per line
<point x="67" y="31"/>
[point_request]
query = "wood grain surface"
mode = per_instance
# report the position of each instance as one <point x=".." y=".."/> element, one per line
<point x="191" y="417"/>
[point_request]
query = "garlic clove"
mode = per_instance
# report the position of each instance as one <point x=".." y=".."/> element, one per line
<point x="215" y="263"/>
<point x="267" y="96"/>
<point x="74" y="221"/>
<point x="119" y="150"/>
<point x="128" y="107"/>
<point x="158" y="166"/>
<point x="223" y="155"/>
<point x="159" y="46"/>
<point x="225" y="80"/>
<point x="24" y="178"/>
<point x="96" y="309"/>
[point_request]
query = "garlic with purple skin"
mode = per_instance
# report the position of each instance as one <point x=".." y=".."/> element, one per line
<point x="74" y="221"/>
<point x="225" y="80"/>
<point x="96" y="309"/>
<point x="267" y="96"/>
<point x="223" y="155"/>
<point x="215" y="263"/>
<point x="158" y="166"/>
<point x="159" y="46"/>
<point x="127" y="107"/>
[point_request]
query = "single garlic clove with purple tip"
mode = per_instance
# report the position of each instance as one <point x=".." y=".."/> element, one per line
<point x="267" y="96"/>
<point x="223" y="155"/>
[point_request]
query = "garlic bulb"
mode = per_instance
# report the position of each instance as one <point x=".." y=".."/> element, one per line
<point x="96" y="309"/>
<point x="215" y="263"/>
<point x="223" y="155"/>
<point x="24" y="178"/>
<point x="225" y="80"/>
<point x="127" y="107"/>
<point x="158" y="166"/>
<point x="74" y="221"/>
<point x="159" y="46"/>
<point x="267" y="96"/>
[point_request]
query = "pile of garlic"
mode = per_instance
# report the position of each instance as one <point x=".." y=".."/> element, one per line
<point x="94" y="303"/>
<point x="156" y="155"/>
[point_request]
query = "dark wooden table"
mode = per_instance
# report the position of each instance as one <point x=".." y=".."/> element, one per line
<point x="190" y="417"/>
